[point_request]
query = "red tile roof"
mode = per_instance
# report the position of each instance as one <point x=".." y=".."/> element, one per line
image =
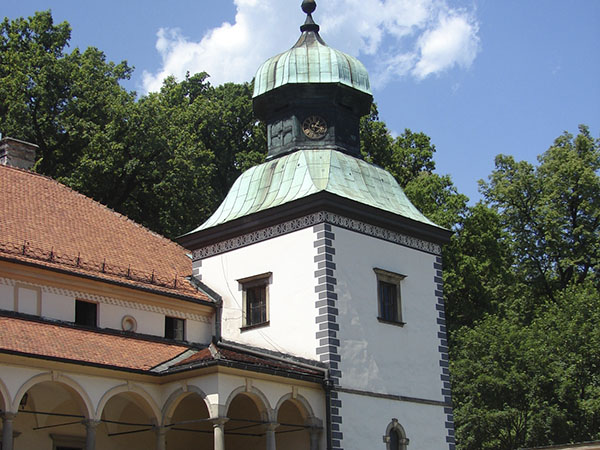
<point x="45" y="222"/>
<point x="39" y="338"/>
<point x="222" y="353"/>
<point x="89" y="346"/>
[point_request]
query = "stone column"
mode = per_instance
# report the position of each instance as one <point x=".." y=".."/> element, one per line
<point x="219" y="432"/>
<point x="315" y="434"/>
<point x="90" y="433"/>
<point x="7" y="430"/>
<point x="161" y="438"/>
<point x="270" y="434"/>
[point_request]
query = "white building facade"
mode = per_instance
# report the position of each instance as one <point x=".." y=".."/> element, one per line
<point x="309" y="316"/>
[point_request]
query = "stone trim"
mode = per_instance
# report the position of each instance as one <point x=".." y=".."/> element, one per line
<point x="80" y="295"/>
<point x="443" y="349"/>
<point x="312" y="220"/>
<point x="398" y="398"/>
<point x="328" y="343"/>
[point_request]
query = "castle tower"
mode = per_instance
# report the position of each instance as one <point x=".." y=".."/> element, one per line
<point x="320" y="255"/>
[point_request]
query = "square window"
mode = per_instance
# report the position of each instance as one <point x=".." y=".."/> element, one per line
<point x="174" y="328"/>
<point x="389" y="297"/>
<point x="255" y="302"/>
<point x="86" y="313"/>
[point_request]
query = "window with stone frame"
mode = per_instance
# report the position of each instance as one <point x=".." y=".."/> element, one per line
<point x="395" y="436"/>
<point x="389" y="296"/>
<point x="255" y="300"/>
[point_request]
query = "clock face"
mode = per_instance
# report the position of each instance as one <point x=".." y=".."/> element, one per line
<point x="314" y="127"/>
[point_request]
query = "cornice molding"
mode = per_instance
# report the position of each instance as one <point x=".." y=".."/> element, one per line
<point x="311" y="220"/>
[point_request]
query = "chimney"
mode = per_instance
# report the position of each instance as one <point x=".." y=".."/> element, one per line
<point x="16" y="153"/>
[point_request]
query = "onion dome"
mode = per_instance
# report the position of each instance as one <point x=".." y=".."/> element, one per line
<point x="310" y="60"/>
<point x="312" y="96"/>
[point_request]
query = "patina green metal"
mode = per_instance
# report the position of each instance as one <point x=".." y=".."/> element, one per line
<point x="306" y="172"/>
<point x="315" y="80"/>
<point x="310" y="60"/>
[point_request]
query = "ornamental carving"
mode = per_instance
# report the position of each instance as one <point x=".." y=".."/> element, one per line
<point x="314" y="219"/>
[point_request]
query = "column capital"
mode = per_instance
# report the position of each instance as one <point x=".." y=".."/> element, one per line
<point x="91" y="423"/>
<point x="219" y="421"/>
<point x="160" y="429"/>
<point x="271" y="426"/>
<point x="7" y="415"/>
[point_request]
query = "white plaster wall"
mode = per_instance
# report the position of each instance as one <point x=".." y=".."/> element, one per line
<point x="381" y="357"/>
<point x="148" y="322"/>
<point x="28" y="300"/>
<point x="289" y="257"/>
<point x="58" y="306"/>
<point x="111" y="316"/>
<point x="365" y="421"/>
<point x="7" y="297"/>
<point x="198" y="332"/>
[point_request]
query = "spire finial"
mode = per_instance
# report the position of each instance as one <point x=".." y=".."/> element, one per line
<point x="309" y="6"/>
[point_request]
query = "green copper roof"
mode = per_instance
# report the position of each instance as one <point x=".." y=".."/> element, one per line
<point x="305" y="172"/>
<point x="311" y="61"/>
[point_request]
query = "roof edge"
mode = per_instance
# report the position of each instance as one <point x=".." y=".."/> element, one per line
<point x="143" y="288"/>
<point x="319" y="201"/>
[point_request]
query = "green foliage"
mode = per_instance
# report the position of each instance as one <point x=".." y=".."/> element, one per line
<point x="552" y="212"/>
<point x="59" y="101"/>
<point x="524" y="287"/>
<point x="530" y="385"/>
<point x="478" y="268"/>
<point x="165" y="161"/>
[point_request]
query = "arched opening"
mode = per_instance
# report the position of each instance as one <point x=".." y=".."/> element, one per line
<point x="246" y="426"/>
<point x="127" y="423"/>
<point x="189" y="427"/>
<point x="395" y="436"/>
<point x="50" y="414"/>
<point x="293" y="432"/>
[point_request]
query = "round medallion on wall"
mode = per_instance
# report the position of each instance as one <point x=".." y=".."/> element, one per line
<point x="129" y="324"/>
<point x="314" y="127"/>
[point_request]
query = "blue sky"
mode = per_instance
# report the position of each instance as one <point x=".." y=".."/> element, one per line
<point x="479" y="77"/>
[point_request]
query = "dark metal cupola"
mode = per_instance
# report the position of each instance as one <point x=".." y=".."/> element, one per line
<point x="312" y="96"/>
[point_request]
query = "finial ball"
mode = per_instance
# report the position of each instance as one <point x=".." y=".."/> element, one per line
<point x="308" y="6"/>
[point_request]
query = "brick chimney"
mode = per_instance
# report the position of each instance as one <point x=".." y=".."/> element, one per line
<point x="16" y="153"/>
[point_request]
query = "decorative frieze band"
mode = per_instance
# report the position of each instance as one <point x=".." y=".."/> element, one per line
<point x="114" y="301"/>
<point x="311" y="220"/>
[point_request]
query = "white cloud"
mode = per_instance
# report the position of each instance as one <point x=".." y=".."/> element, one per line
<point x="394" y="38"/>
<point x="452" y="42"/>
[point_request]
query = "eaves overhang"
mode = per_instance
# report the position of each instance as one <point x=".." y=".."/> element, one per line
<point x="212" y="302"/>
<point x="317" y="202"/>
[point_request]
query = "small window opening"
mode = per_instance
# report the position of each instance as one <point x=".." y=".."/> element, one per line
<point x="389" y="296"/>
<point x="174" y="328"/>
<point x="256" y="305"/>
<point x="86" y="313"/>
<point x="395" y="436"/>
<point x="388" y="300"/>
<point x="255" y="302"/>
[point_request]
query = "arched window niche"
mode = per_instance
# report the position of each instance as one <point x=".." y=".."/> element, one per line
<point x="395" y="436"/>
